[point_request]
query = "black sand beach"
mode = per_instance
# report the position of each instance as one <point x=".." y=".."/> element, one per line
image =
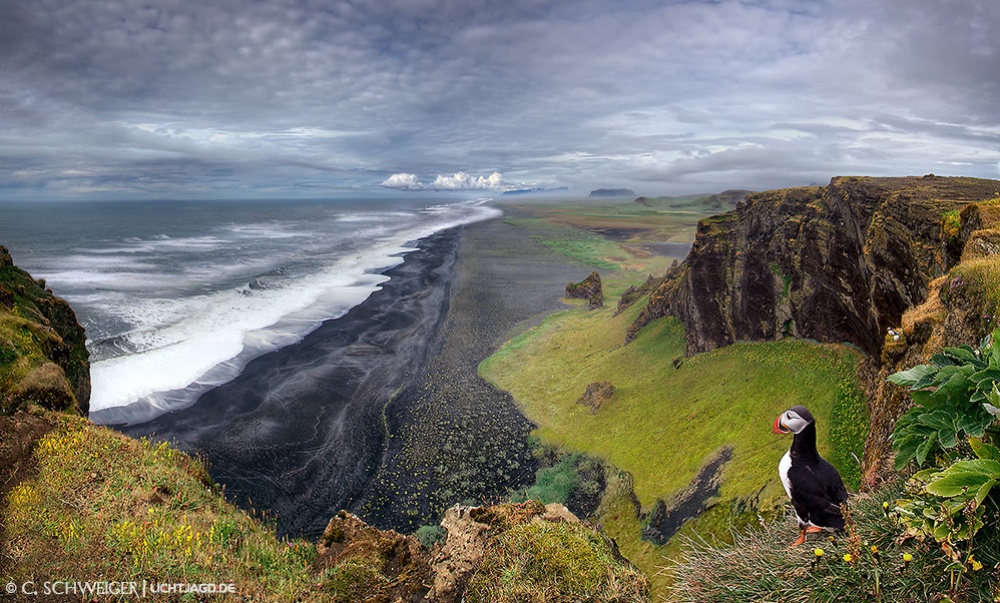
<point x="302" y="432"/>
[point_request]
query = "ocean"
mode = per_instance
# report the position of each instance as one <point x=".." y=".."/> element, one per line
<point x="178" y="296"/>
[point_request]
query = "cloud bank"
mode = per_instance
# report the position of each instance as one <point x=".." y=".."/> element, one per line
<point x="102" y="98"/>
<point x="461" y="181"/>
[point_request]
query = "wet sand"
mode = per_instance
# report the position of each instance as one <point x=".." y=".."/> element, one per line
<point x="381" y="411"/>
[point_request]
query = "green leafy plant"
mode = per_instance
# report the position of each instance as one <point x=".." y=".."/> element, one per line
<point x="947" y="502"/>
<point x="955" y="397"/>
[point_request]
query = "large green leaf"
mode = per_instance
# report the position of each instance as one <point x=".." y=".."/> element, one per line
<point x="945" y="373"/>
<point x="963" y="355"/>
<point x="915" y="377"/>
<point x="975" y="421"/>
<point x="954" y="484"/>
<point x="927" y="399"/>
<point x="984" y="491"/>
<point x="987" y="375"/>
<point x="925" y="447"/>
<point x="956" y="386"/>
<point x="984" y="450"/>
<point x="987" y="467"/>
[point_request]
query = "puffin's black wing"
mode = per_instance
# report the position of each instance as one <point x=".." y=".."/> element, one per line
<point x="817" y="492"/>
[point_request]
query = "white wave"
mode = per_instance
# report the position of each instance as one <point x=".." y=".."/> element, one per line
<point x="373" y="217"/>
<point x="264" y="230"/>
<point x="193" y="342"/>
<point x="160" y="244"/>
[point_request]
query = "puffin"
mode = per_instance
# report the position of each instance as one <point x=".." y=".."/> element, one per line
<point x="813" y="484"/>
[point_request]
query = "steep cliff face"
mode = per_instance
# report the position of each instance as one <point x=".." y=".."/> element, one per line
<point x="835" y="263"/>
<point x="43" y="354"/>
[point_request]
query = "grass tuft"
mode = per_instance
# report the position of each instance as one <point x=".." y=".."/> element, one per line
<point x="870" y="562"/>
<point x="546" y="562"/>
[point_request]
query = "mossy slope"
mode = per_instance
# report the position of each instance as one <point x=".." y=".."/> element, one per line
<point x="664" y="422"/>
<point x="43" y="354"/>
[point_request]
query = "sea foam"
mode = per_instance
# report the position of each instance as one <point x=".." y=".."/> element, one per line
<point x="176" y="347"/>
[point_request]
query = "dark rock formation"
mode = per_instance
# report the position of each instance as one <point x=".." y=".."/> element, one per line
<point x="588" y="289"/>
<point x="596" y="395"/>
<point x="43" y="351"/>
<point x="633" y="293"/>
<point x="612" y="192"/>
<point x="839" y="263"/>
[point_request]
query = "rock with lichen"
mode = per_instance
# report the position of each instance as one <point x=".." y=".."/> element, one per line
<point x="588" y="289"/>
<point x="596" y="395"/>
<point x="538" y="550"/>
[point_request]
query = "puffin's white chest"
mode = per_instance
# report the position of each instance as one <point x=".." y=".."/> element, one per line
<point x="783" y="467"/>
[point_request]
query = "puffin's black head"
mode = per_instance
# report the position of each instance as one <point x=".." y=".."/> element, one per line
<point x="793" y="420"/>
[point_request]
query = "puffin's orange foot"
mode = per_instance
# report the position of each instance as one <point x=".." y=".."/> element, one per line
<point x="813" y="530"/>
<point x="800" y="539"/>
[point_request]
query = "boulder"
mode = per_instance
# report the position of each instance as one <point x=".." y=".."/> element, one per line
<point x="588" y="289"/>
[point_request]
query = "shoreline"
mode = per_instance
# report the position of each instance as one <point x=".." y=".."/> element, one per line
<point x="453" y="436"/>
<point x="301" y="432"/>
<point x="298" y="434"/>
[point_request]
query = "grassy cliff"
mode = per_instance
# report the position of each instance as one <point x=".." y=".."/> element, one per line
<point x="665" y="423"/>
<point x="683" y="438"/>
<point x="714" y="352"/>
<point x="43" y="358"/>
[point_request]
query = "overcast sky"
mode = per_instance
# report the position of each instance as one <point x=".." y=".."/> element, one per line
<point x="284" y="98"/>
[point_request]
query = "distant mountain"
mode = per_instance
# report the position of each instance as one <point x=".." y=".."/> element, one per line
<point x="612" y="192"/>
<point x="719" y="201"/>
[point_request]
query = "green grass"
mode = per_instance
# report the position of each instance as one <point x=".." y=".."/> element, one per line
<point x="663" y="423"/>
<point x="554" y="484"/>
<point x="548" y="562"/>
<point x="984" y="274"/>
<point x="103" y="504"/>
<point x="584" y="247"/>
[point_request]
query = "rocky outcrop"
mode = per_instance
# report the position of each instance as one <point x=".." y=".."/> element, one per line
<point x="361" y="561"/>
<point x="596" y="395"/>
<point x="588" y="289"/>
<point x="835" y="263"/>
<point x="381" y="566"/>
<point x="960" y="308"/>
<point x="634" y="293"/>
<point x="43" y="351"/>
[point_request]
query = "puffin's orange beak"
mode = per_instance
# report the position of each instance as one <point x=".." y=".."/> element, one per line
<point x="778" y="427"/>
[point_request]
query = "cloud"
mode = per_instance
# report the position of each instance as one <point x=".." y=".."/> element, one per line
<point x="407" y="182"/>
<point x="324" y="95"/>
<point x="460" y="181"/>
